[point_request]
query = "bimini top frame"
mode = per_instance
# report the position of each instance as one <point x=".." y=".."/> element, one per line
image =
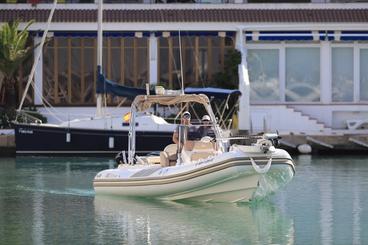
<point x="144" y="102"/>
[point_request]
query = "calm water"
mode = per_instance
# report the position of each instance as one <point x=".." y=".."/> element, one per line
<point x="51" y="201"/>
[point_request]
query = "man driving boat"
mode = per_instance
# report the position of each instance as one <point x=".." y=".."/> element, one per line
<point x="206" y="127"/>
<point x="182" y="139"/>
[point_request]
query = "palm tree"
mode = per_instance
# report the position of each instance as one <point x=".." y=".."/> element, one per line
<point x="13" y="52"/>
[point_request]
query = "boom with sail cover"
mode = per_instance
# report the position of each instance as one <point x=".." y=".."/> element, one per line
<point x="107" y="86"/>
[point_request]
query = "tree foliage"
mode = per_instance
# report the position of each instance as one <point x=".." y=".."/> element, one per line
<point x="229" y="77"/>
<point x="13" y="52"/>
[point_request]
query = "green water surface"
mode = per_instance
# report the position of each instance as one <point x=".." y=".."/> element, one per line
<point x="51" y="201"/>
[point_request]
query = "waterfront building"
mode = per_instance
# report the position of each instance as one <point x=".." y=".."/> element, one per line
<point x="307" y="62"/>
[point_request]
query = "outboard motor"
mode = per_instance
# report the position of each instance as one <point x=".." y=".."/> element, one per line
<point x="267" y="141"/>
<point x="122" y="158"/>
<point x="273" y="137"/>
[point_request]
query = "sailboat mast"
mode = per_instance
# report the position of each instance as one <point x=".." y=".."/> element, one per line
<point x="99" y="111"/>
<point x="38" y="55"/>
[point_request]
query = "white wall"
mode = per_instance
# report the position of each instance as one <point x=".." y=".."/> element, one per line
<point x="282" y="118"/>
<point x="334" y="116"/>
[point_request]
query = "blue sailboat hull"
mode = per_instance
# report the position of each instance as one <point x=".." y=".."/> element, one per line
<point x="32" y="139"/>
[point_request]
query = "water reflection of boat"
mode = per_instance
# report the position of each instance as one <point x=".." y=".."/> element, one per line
<point x="135" y="221"/>
<point x="205" y="169"/>
<point x="63" y="163"/>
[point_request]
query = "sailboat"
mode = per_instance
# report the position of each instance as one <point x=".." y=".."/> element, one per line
<point x="102" y="134"/>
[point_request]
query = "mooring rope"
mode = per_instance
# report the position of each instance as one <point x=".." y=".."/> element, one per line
<point x="260" y="170"/>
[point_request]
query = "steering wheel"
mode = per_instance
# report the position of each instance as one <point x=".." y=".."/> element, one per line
<point x="207" y="139"/>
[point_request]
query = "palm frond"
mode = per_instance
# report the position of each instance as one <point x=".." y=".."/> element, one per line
<point x="13" y="50"/>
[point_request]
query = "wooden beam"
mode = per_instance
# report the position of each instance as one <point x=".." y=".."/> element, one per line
<point x="148" y="60"/>
<point x="171" y="61"/>
<point x="94" y="68"/>
<point x="196" y="59"/>
<point x="183" y="56"/>
<point x="135" y="62"/>
<point x="56" y="73"/>
<point x="158" y="61"/>
<point x="209" y="58"/>
<point x="83" y="81"/>
<point x="69" y="70"/>
<point x="319" y="142"/>
<point x="108" y="65"/>
<point x="109" y="75"/>
<point x="222" y="53"/>
<point x="122" y="61"/>
<point x="287" y="143"/>
<point x="358" y="142"/>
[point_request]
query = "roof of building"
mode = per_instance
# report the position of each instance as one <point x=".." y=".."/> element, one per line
<point x="189" y="15"/>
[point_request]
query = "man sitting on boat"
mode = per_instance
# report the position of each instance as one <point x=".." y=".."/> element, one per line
<point x="206" y="130"/>
<point x="186" y="137"/>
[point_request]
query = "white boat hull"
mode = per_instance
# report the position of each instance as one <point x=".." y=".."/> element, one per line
<point x="232" y="180"/>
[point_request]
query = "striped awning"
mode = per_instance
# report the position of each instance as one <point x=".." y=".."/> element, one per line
<point x="139" y="33"/>
<point x="195" y="33"/>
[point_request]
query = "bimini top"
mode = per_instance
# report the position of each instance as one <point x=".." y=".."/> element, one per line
<point x="144" y="102"/>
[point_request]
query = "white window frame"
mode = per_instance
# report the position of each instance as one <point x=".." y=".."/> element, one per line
<point x="304" y="45"/>
<point x="281" y="46"/>
<point x="356" y="70"/>
<point x="359" y="46"/>
<point x="281" y="86"/>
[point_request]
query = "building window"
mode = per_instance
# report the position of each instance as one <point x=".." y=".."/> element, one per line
<point x="202" y="57"/>
<point x="263" y="66"/>
<point x="169" y="62"/>
<point x="302" y="75"/>
<point x="342" y="74"/>
<point x="363" y="74"/>
<point x="70" y="67"/>
<point x="69" y="71"/>
<point x="125" y="61"/>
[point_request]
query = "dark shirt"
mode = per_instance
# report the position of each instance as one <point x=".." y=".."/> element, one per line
<point x="206" y="131"/>
<point x="187" y="132"/>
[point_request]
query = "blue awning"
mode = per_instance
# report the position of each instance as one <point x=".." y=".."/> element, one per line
<point x="354" y="35"/>
<point x="279" y="36"/>
<point x="325" y="35"/>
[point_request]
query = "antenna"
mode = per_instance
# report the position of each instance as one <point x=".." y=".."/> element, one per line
<point x="181" y="65"/>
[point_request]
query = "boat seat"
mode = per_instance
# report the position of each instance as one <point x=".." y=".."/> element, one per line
<point x="168" y="157"/>
<point x="202" y="150"/>
<point x="200" y="146"/>
<point x="201" y="155"/>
